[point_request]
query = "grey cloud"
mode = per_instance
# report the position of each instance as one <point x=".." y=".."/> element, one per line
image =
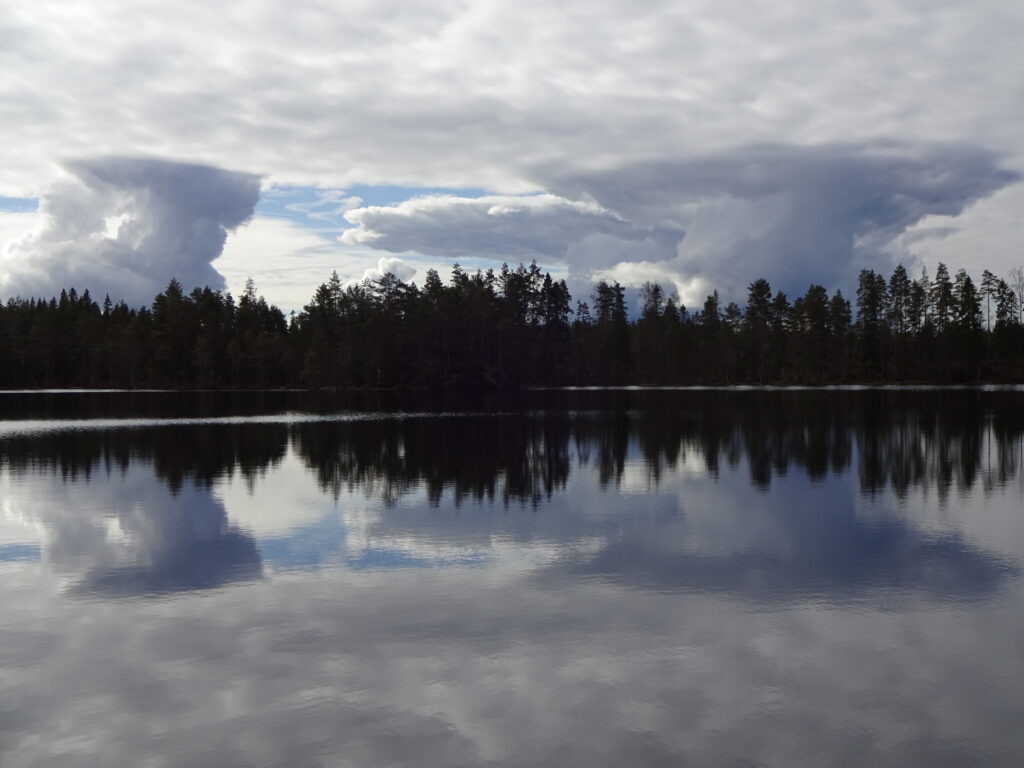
<point x="584" y="236"/>
<point x="928" y="233"/>
<point x="513" y="228"/>
<point x="125" y="226"/>
<point x="795" y="215"/>
<point x="883" y="184"/>
<point x="383" y="94"/>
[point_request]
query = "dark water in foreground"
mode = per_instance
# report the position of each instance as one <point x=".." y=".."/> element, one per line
<point x="559" y="579"/>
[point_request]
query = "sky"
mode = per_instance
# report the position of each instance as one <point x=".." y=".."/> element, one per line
<point x="699" y="144"/>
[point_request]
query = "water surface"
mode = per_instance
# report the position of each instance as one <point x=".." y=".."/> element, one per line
<point x="552" y="578"/>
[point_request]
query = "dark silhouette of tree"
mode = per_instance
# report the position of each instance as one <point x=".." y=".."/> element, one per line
<point x="941" y="299"/>
<point x="840" y="318"/>
<point x="757" y="330"/>
<point x="872" y="309"/>
<point x="612" y="331"/>
<point x="650" y="343"/>
<point x="967" y="325"/>
<point x="519" y="327"/>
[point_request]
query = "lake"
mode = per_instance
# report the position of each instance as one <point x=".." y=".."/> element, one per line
<point x="547" y="578"/>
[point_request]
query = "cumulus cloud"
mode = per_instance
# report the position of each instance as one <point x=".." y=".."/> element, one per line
<point x="556" y="93"/>
<point x="391" y="266"/>
<point x="125" y="226"/>
<point x="582" y="235"/>
<point x="794" y="215"/>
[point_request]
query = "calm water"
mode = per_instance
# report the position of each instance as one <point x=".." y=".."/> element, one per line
<point x="558" y="578"/>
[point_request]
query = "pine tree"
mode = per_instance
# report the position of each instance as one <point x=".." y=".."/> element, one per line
<point x="941" y="298"/>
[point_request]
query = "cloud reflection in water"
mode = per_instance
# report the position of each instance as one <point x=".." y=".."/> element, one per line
<point x="735" y="584"/>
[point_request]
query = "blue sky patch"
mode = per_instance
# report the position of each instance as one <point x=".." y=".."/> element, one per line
<point x="18" y="204"/>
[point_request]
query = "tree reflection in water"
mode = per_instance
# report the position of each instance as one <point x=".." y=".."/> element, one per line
<point x="902" y="439"/>
<point x="180" y="538"/>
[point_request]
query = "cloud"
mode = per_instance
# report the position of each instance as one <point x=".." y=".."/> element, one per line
<point x="392" y="266"/>
<point x="551" y="229"/>
<point x="330" y="205"/>
<point x="983" y="229"/>
<point x="15" y="224"/>
<point x="795" y="215"/>
<point x="287" y="261"/>
<point x="382" y="93"/>
<point x="126" y="226"/>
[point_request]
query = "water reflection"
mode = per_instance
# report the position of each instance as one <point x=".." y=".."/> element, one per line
<point x="726" y="578"/>
<point x="153" y="539"/>
<point x="945" y="441"/>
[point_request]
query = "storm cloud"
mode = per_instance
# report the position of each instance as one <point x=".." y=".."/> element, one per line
<point x="795" y="215"/>
<point x="126" y="226"/>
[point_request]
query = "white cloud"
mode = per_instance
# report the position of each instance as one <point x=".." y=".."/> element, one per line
<point x="482" y="94"/>
<point x="287" y="261"/>
<point x="989" y="229"/>
<point x="126" y="226"/>
<point x="14" y="226"/>
<point x="793" y="215"/>
<point x="503" y="228"/>
<point x="393" y="266"/>
<point x="520" y="97"/>
<point x="683" y="288"/>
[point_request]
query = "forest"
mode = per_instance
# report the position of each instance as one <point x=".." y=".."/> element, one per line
<point x="519" y="327"/>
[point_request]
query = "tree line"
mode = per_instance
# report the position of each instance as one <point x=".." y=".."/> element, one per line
<point x="519" y="327"/>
